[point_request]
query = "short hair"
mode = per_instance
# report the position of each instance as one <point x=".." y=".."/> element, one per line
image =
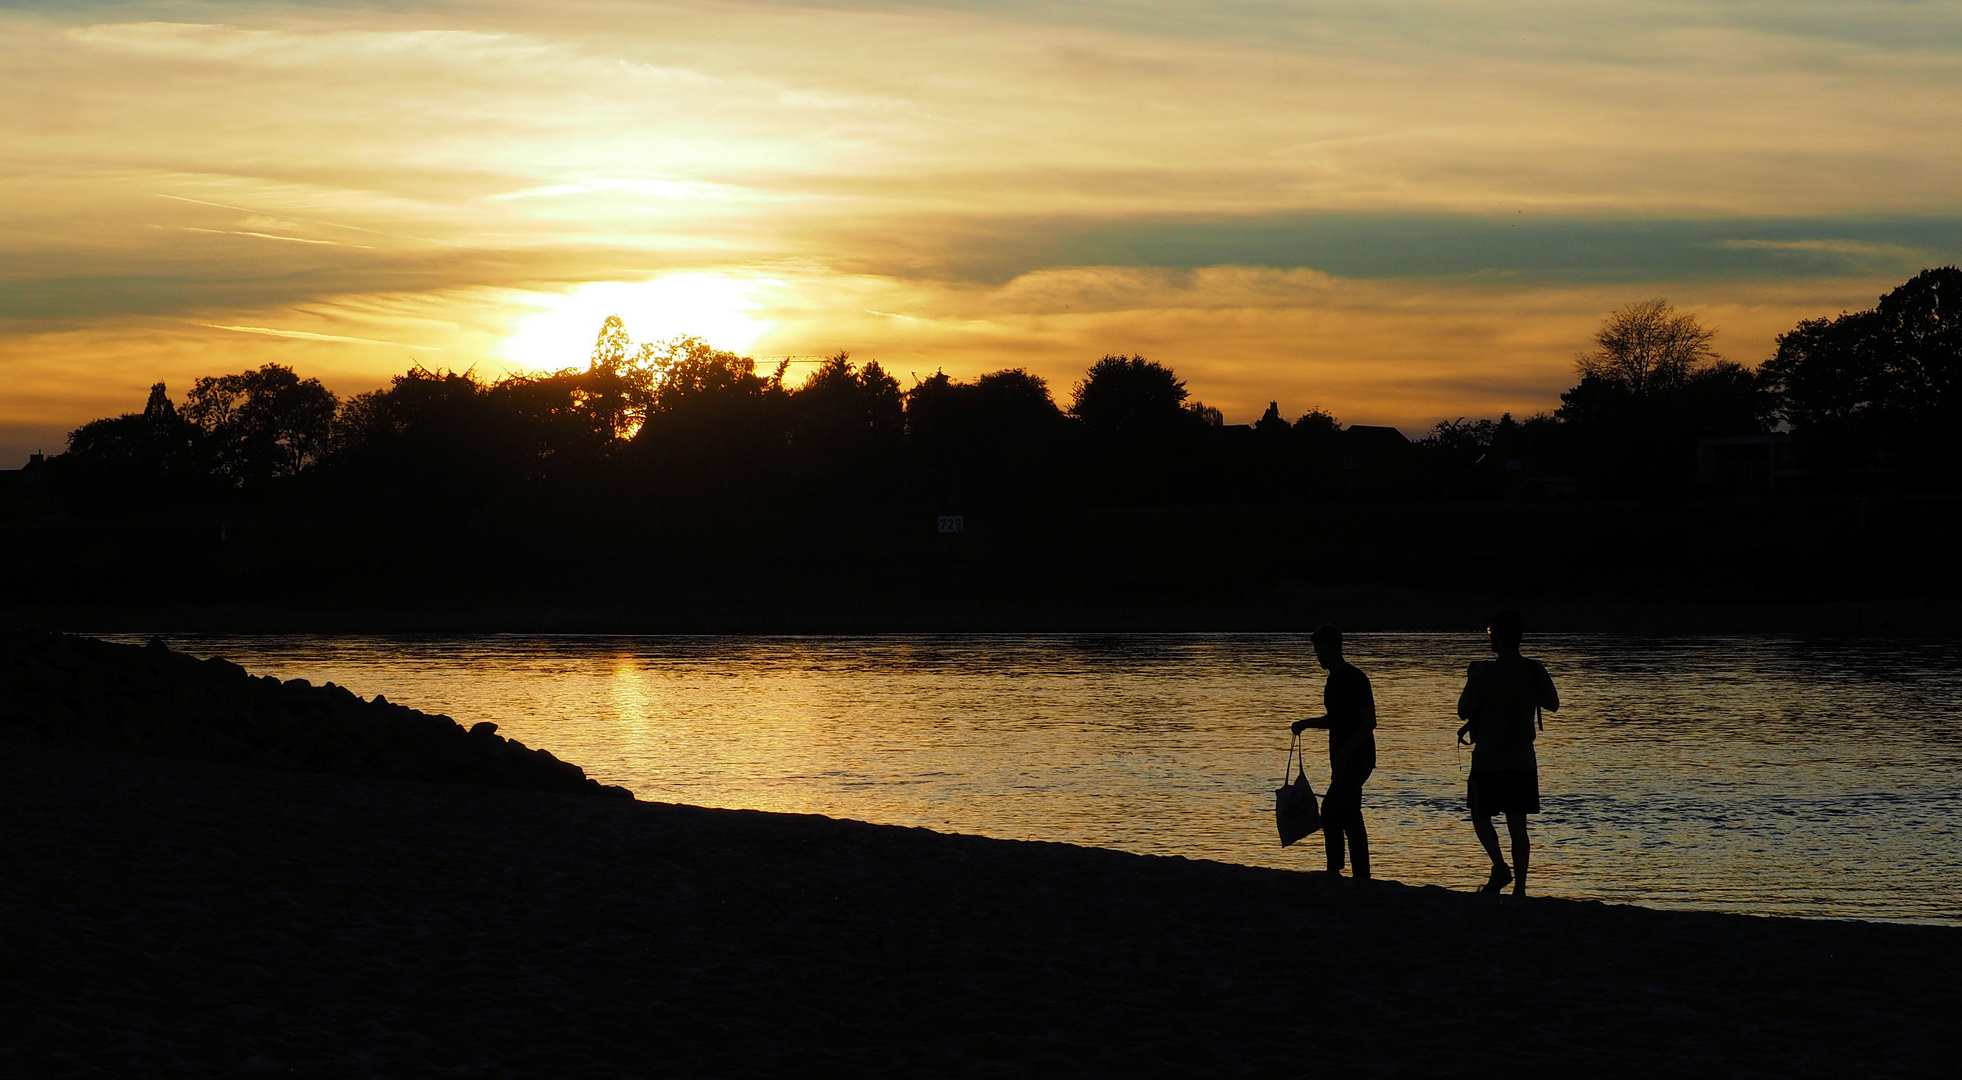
<point x="1326" y="635"/>
<point x="1507" y="628"/>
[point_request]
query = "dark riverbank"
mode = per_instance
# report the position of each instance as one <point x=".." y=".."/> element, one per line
<point x="1825" y="565"/>
<point x="1358" y="608"/>
<point x="165" y="917"/>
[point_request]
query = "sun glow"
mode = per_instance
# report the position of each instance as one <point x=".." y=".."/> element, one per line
<point x="719" y="308"/>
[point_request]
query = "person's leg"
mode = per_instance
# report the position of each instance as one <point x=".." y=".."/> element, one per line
<point x="1521" y="849"/>
<point x="1488" y="836"/>
<point x="1334" y="819"/>
<point x="1358" y="838"/>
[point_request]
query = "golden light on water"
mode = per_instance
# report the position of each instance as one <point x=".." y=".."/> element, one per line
<point x="1061" y="737"/>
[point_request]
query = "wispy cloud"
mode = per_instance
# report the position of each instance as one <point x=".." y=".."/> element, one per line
<point x="271" y="236"/>
<point x="308" y="335"/>
<point x="1355" y="203"/>
<point x="308" y="221"/>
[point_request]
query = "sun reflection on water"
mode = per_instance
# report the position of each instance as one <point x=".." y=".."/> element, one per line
<point x="1692" y="773"/>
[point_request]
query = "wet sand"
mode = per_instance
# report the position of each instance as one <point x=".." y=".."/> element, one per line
<point x="170" y="917"/>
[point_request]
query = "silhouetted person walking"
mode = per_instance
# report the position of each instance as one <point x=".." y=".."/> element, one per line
<point x="1500" y="703"/>
<point x="1350" y="717"/>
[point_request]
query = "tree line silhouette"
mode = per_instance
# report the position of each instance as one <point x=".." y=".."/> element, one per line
<point x="1868" y="397"/>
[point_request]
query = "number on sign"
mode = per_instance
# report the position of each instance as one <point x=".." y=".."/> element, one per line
<point x="953" y="523"/>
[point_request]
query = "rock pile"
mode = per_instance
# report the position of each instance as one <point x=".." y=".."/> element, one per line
<point x="148" y="699"/>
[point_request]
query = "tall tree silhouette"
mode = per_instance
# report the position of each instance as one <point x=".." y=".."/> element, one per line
<point x="993" y="441"/>
<point x="141" y="457"/>
<point x="1129" y="395"/>
<point x="1647" y="347"/>
<point x="1877" y="387"/>
<point x="714" y="427"/>
<point x="943" y="415"/>
<point x="262" y="425"/>
<point x="618" y="381"/>
<point x="1652" y="385"/>
<point x="444" y="439"/>
<point x="844" y="417"/>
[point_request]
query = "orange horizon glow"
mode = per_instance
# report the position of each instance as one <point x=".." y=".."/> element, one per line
<point x="1398" y="217"/>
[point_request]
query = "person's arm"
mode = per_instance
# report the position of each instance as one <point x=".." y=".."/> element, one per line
<point x="1309" y="721"/>
<point x="1467" y="706"/>
<point x="1549" y="697"/>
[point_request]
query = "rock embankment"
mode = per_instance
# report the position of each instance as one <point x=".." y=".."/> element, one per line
<point x="58" y="689"/>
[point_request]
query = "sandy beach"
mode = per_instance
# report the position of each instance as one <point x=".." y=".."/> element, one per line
<point x="179" y="917"/>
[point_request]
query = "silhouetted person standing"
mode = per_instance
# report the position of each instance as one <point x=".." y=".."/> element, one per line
<point x="1350" y="717"/>
<point x="1500" y="705"/>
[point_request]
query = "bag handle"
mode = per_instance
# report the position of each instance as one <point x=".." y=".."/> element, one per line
<point x="1287" y="772"/>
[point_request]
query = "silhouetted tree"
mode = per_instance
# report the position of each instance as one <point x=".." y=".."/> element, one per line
<point x="1476" y="457"/>
<point x="688" y="371"/>
<point x="136" y="457"/>
<point x="431" y="435"/>
<point x="1651" y="387"/>
<point x="262" y="425"/>
<point x="562" y="427"/>
<point x="713" y="425"/>
<point x="1465" y="440"/>
<point x="1129" y="395"/>
<point x="1014" y="400"/>
<point x="1318" y="422"/>
<point x="999" y="439"/>
<point x="618" y="381"/>
<point x="1878" y="387"/>
<point x="945" y="415"/>
<point x="1831" y="373"/>
<point x="1647" y="347"/>
<point x="1316" y="449"/>
<point x="844" y="417"/>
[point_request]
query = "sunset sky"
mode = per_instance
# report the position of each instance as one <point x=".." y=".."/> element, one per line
<point x="1400" y="212"/>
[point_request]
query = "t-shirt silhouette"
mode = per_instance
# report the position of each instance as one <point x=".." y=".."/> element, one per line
<point x="1501" y="699"/>
<point x="1351" y="708"/>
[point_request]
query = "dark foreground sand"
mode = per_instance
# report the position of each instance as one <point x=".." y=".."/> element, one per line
<point x="170" y="917"/>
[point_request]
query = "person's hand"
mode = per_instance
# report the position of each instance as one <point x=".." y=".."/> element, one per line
<point x="1297" y="726"/>
<point x="1464" y="730"/>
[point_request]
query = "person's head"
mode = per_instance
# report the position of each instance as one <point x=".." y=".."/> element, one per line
<point x="1506" y="629"/>
<point x="1328" y="644"/>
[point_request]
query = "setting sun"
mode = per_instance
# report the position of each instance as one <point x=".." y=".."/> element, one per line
<point x="719" y="308"/>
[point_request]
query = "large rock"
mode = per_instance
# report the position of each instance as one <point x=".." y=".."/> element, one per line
<point x="149" y="699"/>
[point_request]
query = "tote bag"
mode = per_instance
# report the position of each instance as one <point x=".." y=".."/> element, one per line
<point x="1295" y="813"/>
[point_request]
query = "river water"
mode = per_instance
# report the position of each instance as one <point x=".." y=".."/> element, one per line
<point x="1754" y="774"/>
